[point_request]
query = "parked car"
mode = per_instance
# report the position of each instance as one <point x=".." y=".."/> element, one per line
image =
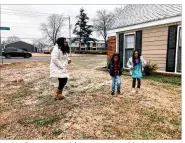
<point x="47" y="50"/>
<point x="15" y="52"/>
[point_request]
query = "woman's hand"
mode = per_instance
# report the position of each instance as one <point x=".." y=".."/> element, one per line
<point x="131" y="68"/>
<point x="69" y="61"/>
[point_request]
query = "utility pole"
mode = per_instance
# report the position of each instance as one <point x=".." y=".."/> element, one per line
<point x="0" y="37"/>
<point x="70" y="34"/>
<point x="80" y="37"/>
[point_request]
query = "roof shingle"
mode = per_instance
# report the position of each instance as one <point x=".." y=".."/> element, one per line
<point x="142" y="13"/>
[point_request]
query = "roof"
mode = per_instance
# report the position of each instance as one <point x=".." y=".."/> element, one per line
<point x="18" y="42"/>
<point x="134" y="14"/>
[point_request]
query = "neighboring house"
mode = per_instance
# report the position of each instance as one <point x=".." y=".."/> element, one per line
<point x="75" y="46"/>
<point x="47" y="49"/>
<point x="153" y="29"/>
<point x="99" y="45"/>
<point x="23" y="45"/>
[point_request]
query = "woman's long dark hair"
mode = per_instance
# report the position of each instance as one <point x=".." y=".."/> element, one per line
<point x="133" y="57"/>
<point x="60" y="43"/>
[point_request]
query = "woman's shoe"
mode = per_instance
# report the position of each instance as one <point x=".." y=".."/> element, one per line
<point x="59" y="95"/>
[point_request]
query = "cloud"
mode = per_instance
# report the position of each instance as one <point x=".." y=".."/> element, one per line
<point x="27" y="25"/>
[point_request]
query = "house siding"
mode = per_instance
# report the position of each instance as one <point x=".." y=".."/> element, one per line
<point x="154" y="43"/>
<point x="154" y="46"/>
<point x="22" y="45"/>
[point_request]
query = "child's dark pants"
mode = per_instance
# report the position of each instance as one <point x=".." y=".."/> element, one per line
<point x="134" y="83"/>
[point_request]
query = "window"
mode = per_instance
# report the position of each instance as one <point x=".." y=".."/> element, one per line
<point x="179" y="48"/>
<point x="13" y="49"/>
<point x="94" y="44"/>
<point x="19" y="50"/>
<point x="129" y="47"/>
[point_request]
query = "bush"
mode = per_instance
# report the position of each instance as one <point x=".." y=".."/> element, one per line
<point x="150" y="68"/>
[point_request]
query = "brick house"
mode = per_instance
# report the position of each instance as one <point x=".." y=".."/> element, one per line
<point x="99" y="45"/>
<point x="153" y="29"/>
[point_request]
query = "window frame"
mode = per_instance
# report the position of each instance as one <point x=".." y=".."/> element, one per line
<point x="126" y="34"/>
<point x="177" y="46"/>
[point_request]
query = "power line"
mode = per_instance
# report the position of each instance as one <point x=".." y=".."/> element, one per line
<point x="27" y="11"/>
<point x="30" y="27"/>
<point x="26" y="37"/>
<point x="33" y="12"/>
<point x="22" y="37"/>
<point x="31" y="15"/>
<point x="20" y="23"/>
<point x="21" y="14"/>
<point x="15" y="14"/>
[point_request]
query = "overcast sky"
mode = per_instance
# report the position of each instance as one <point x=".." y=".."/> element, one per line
<point x="26" y="25"/>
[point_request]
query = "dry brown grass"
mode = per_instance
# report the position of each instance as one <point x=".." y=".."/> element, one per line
<point x="29" y="111"/>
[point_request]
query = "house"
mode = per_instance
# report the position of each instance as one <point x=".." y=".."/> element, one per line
<point x="154" y="30"/>
<point x="99" y="45"/>
<point x="23" y="45"/>
<point x="47" y="49"/>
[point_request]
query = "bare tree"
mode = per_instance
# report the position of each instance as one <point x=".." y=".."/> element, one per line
<point x="12" y="39"/>
<point x="40" y="43"/>
<point x="103" y="22"/>
<point x="119" y="11"/>
<point x="52" y="29"/>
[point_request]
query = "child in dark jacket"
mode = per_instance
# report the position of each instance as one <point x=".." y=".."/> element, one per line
<point x="115" y="69"/>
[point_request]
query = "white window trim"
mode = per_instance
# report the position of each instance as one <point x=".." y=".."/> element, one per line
<point x="177" y="45"/>
<point x="132" y="33"/>
<point x="117" y="42"/>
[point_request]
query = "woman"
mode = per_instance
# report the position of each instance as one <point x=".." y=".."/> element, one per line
<point x="58" y="65"/>
<point x="136" y="64"/>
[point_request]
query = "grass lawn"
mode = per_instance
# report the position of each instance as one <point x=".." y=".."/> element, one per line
<point x="28" y="109"/>
<point x="159" y="78"/>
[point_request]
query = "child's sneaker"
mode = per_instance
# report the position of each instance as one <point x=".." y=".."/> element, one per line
<point x="118" y="92"/>
<point x="138" y="90"/>
<point x="133" y="90"/>
<point x="112" y="93"/>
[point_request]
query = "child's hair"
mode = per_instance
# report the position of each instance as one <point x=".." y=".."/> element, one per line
<point x="115" y="54"/>
<point x="133" y="57"/>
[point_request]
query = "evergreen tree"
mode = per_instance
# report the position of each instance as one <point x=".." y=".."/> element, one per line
<point x="82" y="30"/>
